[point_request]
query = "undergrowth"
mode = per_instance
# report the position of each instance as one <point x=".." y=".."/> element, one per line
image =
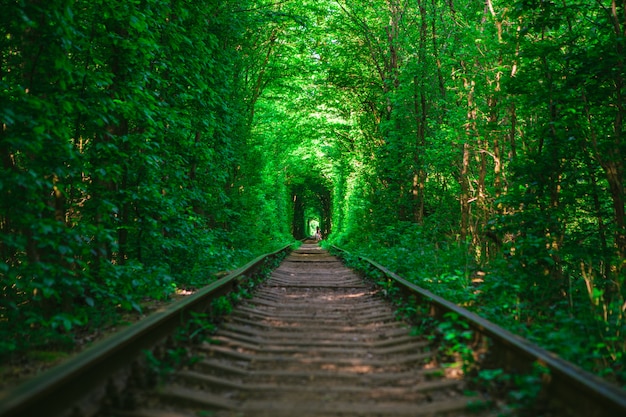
<point x="505" y="291"/>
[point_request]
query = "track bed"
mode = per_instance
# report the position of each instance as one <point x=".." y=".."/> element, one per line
<point x="315" y="340"/>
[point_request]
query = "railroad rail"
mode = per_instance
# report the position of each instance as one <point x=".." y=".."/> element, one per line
<point x="85" y="380"/>
<point x="314" y="340"/>
<point x="570" y="390"/>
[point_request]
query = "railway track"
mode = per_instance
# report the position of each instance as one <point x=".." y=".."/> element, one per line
<point x="314" y="340"/>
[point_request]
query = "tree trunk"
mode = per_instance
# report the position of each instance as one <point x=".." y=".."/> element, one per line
<point x="613" y="163"/>
<point x="464" y="180"/>
<point x="465" y="193"/>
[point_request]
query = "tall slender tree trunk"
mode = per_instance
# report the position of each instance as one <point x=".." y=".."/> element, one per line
<point x="465" y="192"/>
<point x="613" y="163"/>
<point x="464" y="180"/>
<point x="434" y="35"/>
<point x="421" y="119"/>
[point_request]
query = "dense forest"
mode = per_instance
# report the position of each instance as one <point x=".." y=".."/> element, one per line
<point x="477" y="148"/>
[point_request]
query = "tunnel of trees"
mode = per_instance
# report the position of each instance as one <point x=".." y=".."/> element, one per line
<point x="475" y="147"/>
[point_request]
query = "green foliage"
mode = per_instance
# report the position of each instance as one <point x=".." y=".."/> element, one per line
<point x="222" y="306"/>
<point x="171" y="360"/>
<point x="455" y="337"/>
<point x="476" y="149"/>
<point x="483" y="160"/>
<point x="122" y="143"/>
<point x="524" y="391"/>
<point x="197" y="328"/>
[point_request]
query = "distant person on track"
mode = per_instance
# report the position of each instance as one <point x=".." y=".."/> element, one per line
<point x="318" y="234"/>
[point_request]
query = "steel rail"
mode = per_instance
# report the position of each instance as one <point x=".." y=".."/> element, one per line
<point x="582" y="392"/>
<point x="57" y="390"/>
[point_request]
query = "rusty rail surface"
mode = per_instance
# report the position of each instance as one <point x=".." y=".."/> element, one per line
<point x="57" y="389"/>
<point x="580" y="392"/>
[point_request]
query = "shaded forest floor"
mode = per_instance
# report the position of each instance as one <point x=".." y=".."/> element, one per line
<point x="26" y="365"/>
